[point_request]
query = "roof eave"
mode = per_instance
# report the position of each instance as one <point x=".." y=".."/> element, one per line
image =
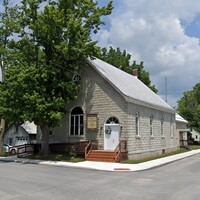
<point x="153" y="106"/>
<point x="181" y="121"/>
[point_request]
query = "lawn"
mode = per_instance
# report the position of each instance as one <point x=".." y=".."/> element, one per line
<point x="3" y="154"/>
<point x="192" y="147"/>
<point x="66" y="157"/>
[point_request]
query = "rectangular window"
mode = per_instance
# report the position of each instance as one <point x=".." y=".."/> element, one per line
<point x="161" y="127"/>
<point x="137" y="125"/>
<point x="10" y="141"/>
<point x="151" y="126"/>
<point x="72" y="125"/>
<point x="81" y="125"/>
<point x="76" y="125"/>
<point x="171" y="130"/>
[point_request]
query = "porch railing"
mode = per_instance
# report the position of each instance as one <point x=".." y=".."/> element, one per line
<point x="121" y="147"/>
<point x="25" y="149"/>
<point x="90" y="146"/>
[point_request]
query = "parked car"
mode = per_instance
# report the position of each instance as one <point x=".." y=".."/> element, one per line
<point x="8" y="148"/>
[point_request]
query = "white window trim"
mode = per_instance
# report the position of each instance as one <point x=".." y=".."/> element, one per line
<point x="171" y="130"/>
<point x="162" y="127"/>
<point x="137" y="125"/>
<point x="79" y="125"/>
<point x="151" y="126"/>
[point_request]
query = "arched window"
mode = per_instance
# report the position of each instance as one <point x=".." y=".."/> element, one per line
<point x="137" y="124"/>
<point x="76" y="121"/>
<point x="151" y="125"/>
<point x="112" y="120"/>
<point x="76" y="78"/>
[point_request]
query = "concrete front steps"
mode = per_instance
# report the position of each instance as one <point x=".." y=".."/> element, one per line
<point x="103" y="156"/>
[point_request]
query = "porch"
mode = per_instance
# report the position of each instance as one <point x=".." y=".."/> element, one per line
<point x="89" y="150"/>
<point x="119" y="153"/>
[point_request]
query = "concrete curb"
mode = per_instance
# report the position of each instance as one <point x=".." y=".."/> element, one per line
<point x="103" y="166"/>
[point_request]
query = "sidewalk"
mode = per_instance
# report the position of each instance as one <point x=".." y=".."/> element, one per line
<point x="105" y="166"/>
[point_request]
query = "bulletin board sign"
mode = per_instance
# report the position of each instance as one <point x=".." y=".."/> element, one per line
<point x="92" y="122"/>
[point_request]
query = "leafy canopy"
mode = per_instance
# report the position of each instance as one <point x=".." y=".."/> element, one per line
<point x="189" y="106"/>
<point x="122" y="60"/>
<point x="49" y="44"/>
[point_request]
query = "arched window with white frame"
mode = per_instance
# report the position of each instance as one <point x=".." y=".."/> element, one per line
<point x="76" y="122"/>
<point x="112" y="120"/>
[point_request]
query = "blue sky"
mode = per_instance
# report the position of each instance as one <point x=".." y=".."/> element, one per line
<point x="162" y="33"/>
<point x="192" y="28"/>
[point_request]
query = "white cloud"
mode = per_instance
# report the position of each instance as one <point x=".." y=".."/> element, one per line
<point x="103" y="38"/>
<point x="152" y="31"/>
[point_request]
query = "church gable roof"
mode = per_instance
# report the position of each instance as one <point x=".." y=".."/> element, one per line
<point x="129" y="86"/>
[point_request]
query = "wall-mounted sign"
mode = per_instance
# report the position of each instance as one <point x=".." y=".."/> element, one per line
<point x="92" y="122"/>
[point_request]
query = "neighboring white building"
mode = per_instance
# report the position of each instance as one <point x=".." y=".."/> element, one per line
<point x="182" y="130"/>
<point x="30" y="127"/>
<point x="22" y="134"/>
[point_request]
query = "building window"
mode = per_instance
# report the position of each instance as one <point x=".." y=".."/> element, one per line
<point x="162" y="127"/>
<point x="76" y="122"/>
<point x="10" y="141"/>
<point x="112" y="120"/>
<point x="137" y="124"/>
<point x="76" y="78"/>
<point x="171" y="129"/>
<point x="151" y="125"/>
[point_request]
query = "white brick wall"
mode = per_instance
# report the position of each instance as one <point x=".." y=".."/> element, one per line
<point x="101" y="98"/>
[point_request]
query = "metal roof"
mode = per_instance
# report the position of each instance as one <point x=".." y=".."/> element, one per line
<point x="30" y="127"/>
<point x="129" y="86"/>
<point x="180" y="119"/>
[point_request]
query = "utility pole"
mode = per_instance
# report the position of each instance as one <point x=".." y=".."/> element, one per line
<point x="165" y="88"/>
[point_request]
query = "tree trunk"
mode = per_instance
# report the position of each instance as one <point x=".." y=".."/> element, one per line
<point x="2" y="129"/>
<point x="45" y="140"/>
<point x="2" y="121"/>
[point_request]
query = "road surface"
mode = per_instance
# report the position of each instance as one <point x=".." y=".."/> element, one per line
<point x="179" y="180"/>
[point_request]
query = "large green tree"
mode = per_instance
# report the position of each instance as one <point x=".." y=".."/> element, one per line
<point x="7" y="28"/>
<point x="51" y="46"/>
<point x="189" y="106"/>
<point x="122" y="60"/>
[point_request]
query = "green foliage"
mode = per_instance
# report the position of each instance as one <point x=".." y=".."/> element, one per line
<point x="122" y="60"/>
<point x="43" y="45"/>
<point x="178" y="151"/>
<point x="65" y="157"/>
<point x="35" y="94"/>
<point x="189" y="106"/>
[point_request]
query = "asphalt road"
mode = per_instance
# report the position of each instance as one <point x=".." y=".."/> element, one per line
<point x="179" y="180"/>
